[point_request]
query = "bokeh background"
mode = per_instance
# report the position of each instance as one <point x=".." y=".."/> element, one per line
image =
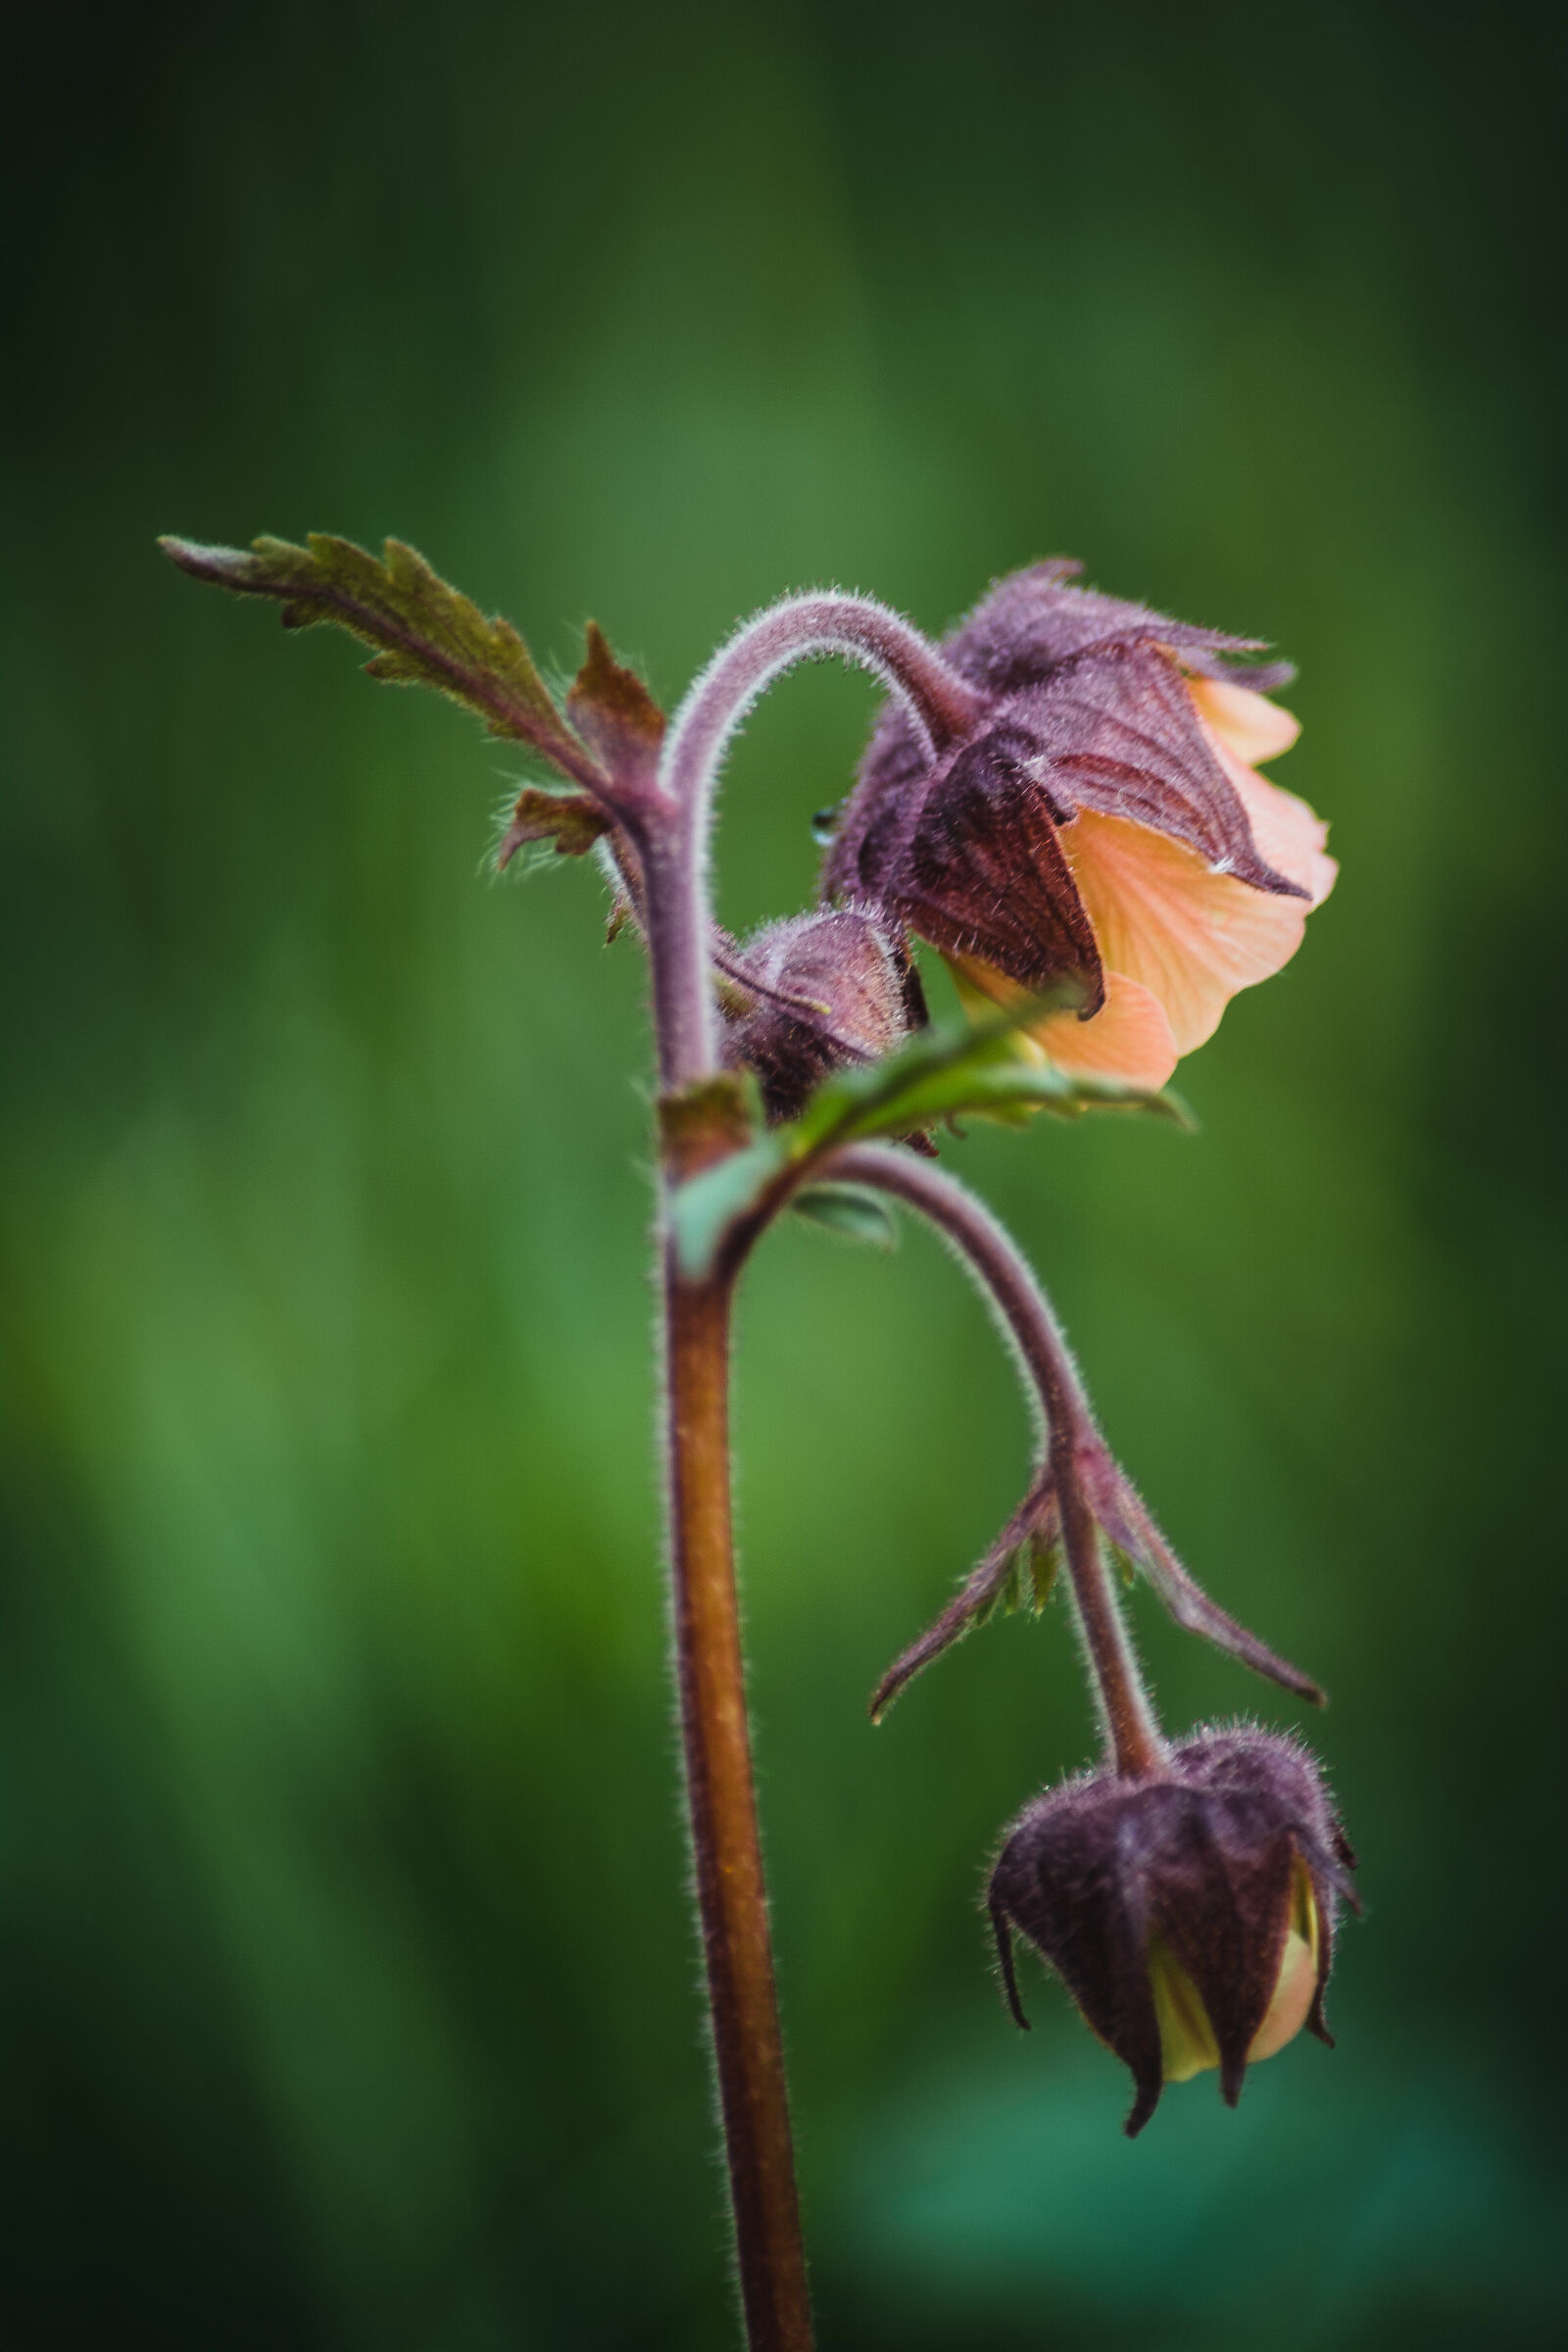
<point x="347" y="1990"/>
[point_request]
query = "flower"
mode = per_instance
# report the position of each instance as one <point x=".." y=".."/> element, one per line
<point x="1190" y="1911"/>
<point x="1102" y="829"/>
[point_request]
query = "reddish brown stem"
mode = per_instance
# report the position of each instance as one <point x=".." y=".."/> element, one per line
<point x="747" y="2047"/>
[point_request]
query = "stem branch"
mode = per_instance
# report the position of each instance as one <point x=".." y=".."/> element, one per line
<point x="1132" y="1734"/>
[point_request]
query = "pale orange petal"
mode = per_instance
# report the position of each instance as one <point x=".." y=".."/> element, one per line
<point x="1129" y="1038"/>
<point x="1191" y="937"/>
<point x="1245" y="722"/>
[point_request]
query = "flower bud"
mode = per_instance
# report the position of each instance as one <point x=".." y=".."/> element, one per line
<point x="816" y="993"/>
<point x="1190" y="1911"/>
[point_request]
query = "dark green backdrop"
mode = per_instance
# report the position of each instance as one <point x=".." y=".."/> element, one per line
<point x="348" y="1987"/>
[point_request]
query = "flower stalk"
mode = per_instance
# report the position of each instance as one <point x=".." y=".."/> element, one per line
<point x="1133" y="1741"/>
<point x="938" y="702"/>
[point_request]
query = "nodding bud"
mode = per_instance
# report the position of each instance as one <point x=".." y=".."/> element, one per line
<point x="1190" y="1911"/>
<point x="816" y="993"/>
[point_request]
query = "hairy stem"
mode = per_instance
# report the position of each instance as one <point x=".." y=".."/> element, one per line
<point x="1132" y="1734"/>
<point x="747" y="2048"/>
<point x="679" y="934"/>
<point x="941" y="704"/>
<point x="669" y="832"/>
<point x="710" y="1671"/>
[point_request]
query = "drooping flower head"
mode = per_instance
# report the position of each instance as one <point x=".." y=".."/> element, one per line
<point x="1190" y="1911"/>
<point x="1104" y="828"/>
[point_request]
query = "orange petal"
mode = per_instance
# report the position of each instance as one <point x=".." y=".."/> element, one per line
<point x="1249" y="725"/>
<point x="1129" y="1038"/>
<point x="1190" y="937"/>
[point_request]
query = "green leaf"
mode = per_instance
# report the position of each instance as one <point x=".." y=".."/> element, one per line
<point x="939" y="1074"/>
<point x="425" y="632"/>
<point x="848" y="1209"/>
<point x="954" y="1072"/>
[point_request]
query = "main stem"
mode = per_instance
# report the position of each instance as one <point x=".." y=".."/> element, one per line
<point x="671" y="834"/>
<point x="747" y="2048"/>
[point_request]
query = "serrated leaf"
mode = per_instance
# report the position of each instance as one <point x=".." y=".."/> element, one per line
<point x="848" y="1209"/>
<point x="425" y="632"/>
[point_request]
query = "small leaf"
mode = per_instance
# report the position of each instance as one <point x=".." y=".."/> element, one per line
<point x="425" y="632"/>
<point x="848" y="1209"/>
<point x="615" y="713"/>
<point x="569" y="820"/>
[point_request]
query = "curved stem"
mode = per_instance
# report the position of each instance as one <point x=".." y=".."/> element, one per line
<point x="1132" y="1734"/>
<point x="944" y="707"/>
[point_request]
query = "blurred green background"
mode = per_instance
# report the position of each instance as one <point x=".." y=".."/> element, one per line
<point x="348" y="1982"/>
